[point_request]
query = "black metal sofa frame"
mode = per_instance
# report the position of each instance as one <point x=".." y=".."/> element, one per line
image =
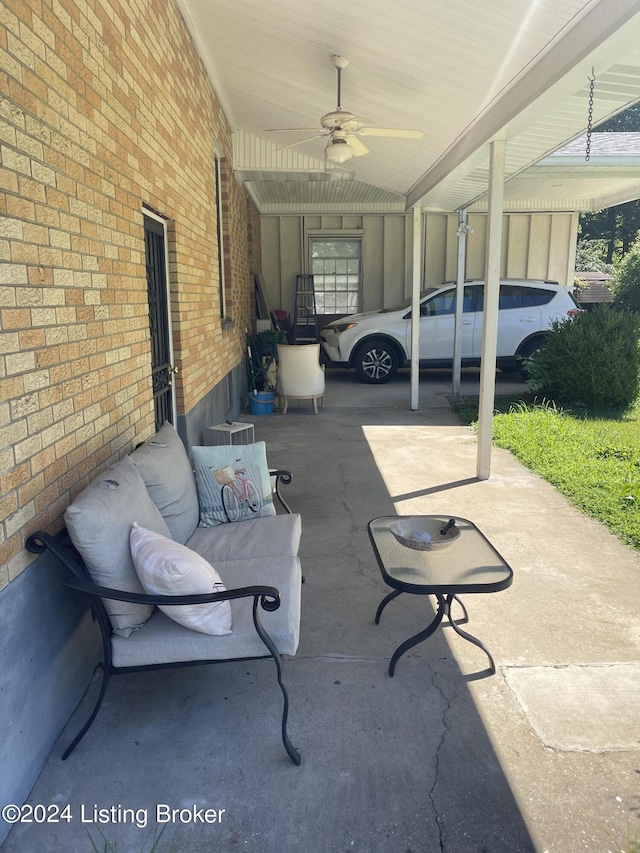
<point x="265" y="597"/>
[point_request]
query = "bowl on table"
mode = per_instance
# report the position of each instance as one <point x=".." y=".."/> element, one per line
<point x="425" y="534"/>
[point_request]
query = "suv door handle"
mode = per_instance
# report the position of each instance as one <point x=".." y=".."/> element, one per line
<point x="528" y="319"/>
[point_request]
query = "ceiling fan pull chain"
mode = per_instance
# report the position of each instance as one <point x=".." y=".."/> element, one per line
<point x="592" y="81"/>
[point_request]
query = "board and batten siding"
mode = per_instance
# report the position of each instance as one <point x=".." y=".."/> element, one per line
<point x="535" y="245"/>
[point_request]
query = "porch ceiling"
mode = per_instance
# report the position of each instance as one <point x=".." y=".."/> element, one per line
<point x="463" y="72"/>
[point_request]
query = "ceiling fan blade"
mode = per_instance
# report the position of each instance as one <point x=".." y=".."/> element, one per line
<point x="358" y="148"/>
<point x="301" y="141"/>
<point x="292" y="130"/>
<point x="395" y="132"/>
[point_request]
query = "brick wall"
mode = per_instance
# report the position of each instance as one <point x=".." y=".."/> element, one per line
<point x="105" y="108"/>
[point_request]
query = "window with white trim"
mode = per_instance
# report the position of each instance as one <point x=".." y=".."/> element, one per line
<point x="335" y="265"/>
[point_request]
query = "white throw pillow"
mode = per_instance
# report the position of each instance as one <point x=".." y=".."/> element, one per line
<point x="167" y="568"/>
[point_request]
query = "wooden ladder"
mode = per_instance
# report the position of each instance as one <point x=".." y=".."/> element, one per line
<point x="305" y="312"/>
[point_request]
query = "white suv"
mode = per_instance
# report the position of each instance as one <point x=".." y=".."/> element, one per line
<point x="377" y="343"/>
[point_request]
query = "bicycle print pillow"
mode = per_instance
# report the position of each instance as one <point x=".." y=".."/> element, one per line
<point x="233" y="483"/>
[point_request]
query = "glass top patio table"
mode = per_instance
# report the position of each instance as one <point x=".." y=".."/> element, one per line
<point x="469" y="564"/>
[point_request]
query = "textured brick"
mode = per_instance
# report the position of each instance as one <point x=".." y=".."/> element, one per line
<point x="36" y="380"/>
<point x="99" y="99"/>
<point x="20" y="362"/>
<point x="13" y="274"/>
<point x="11" y="227"/>
<point x="13" y="433"/>
<point x="14" y="522"/>
<point x="31" y="339"/>
<point x="18" y="475"/>
<point x="24" y="406"/>
<point x="31" y="490"/>
<point x="25" y="253"/>
<point x="29" y="296"/>
<point x="15" y="161"/>
<point x="9" y="342"/>
<point x="29" y="447"/>
<point x="7" y="298"/>
<point x="23" y="208"/>
<point x="8" y="550"/>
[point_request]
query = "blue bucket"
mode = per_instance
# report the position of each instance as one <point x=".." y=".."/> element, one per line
<point x="261" y="402"/>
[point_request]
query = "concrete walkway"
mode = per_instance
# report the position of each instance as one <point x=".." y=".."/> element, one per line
<point x="542" y="756"/>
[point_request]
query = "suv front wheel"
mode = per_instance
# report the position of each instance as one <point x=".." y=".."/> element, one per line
<point x="527" y="351"/>
<point x="376" y="361"/>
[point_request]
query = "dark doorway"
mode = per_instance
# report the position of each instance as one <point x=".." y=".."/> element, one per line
<point x="159" y="320"/>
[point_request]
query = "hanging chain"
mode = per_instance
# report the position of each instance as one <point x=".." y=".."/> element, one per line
<point x="592" y="81"/>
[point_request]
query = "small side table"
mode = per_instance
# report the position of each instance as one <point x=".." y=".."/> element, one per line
<point x="231" y="433"/>
<point x="469" y="565"/>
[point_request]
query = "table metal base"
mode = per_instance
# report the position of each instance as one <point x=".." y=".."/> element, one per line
<point x="444" y="609"/>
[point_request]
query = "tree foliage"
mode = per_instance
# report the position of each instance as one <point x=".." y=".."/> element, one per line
<point x="618" y="226"/>
<point x="627" y="288"/>
<point x="591" y="257"/>
<point x="627" y="121"/>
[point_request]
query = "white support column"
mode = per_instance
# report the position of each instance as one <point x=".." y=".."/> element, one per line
<point x="457" y="328"/>
<point x="415" y="306"/>
<point x="490" y="312"/>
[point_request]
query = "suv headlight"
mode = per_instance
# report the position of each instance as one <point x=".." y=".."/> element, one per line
<point x="343" y="327"/>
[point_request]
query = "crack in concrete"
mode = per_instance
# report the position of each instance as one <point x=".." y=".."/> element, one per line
<point x="445" y="712"/>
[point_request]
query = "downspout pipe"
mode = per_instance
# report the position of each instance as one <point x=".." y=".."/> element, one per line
<point x="415" y="307"/>
<point x="463" y="228"/>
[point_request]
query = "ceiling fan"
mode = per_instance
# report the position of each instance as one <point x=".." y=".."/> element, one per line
<point x="343" y="128"/>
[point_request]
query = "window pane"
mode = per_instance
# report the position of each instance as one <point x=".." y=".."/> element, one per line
<point x="335" y="248"/>
<point x="467" y="299"/>
<point x="336" y="266"/>
<point x="443" y="303"/>
<point x="542" y="297"/>
<point x="510" y="297"/>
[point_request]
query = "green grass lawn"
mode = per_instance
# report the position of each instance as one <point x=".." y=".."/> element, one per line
<point x="594" y="462"/>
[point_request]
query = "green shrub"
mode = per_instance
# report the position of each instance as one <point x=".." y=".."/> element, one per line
<point x="591" y="360"/>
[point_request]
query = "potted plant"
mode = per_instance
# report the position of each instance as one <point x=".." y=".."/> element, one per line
<point x="261" y="368"/>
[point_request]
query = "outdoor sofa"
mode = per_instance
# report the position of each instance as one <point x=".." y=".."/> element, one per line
<point x="152" y="493"/>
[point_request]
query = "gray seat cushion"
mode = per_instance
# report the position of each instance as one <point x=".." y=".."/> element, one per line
<point x="99" y="523"/>
<point x="164" y="466"/>
<point x="273" y="536"/>
<point x="162" y="640"/>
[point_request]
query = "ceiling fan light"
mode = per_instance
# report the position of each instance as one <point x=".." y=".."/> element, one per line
<point x="338" y="151"/>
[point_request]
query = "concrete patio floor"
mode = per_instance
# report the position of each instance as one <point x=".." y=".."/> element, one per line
<point x="542" y="756"/>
